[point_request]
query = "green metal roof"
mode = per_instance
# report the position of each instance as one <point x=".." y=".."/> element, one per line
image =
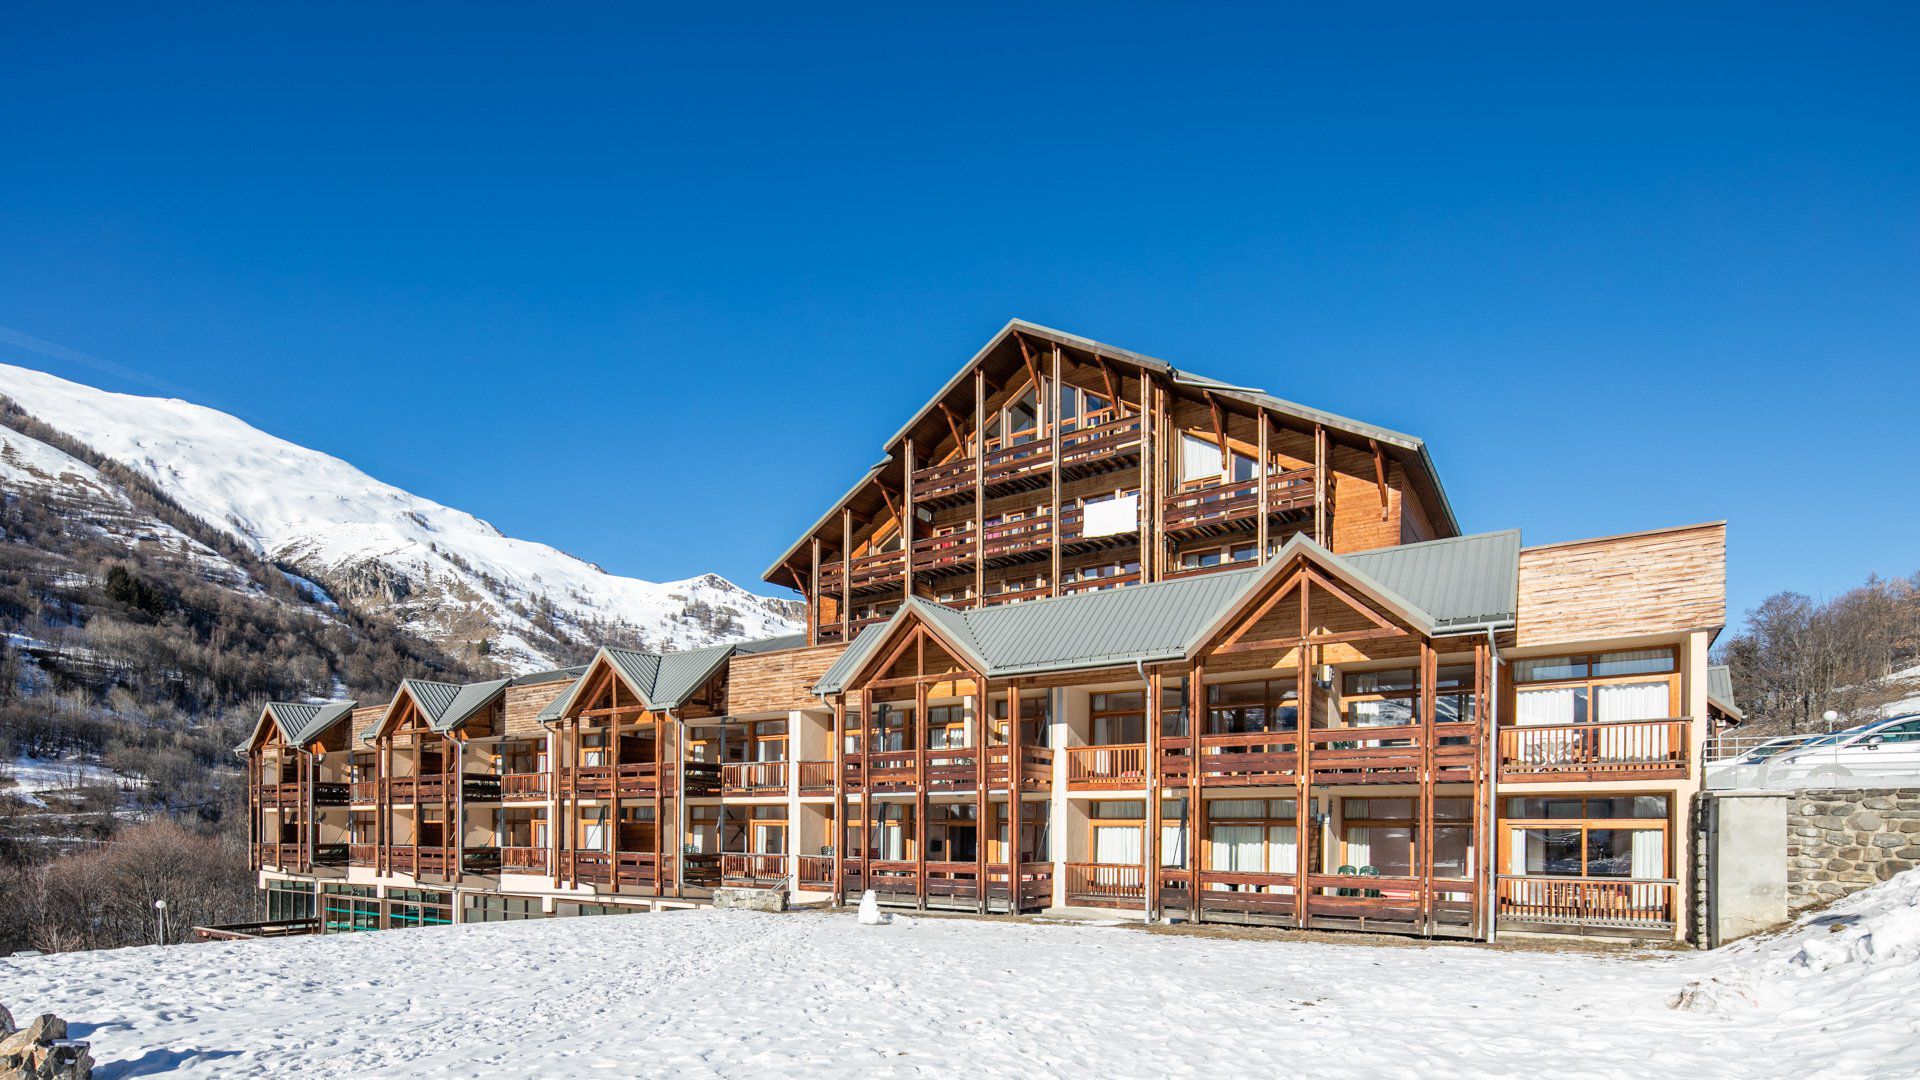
<point x="1720" y="690"/>
<point x="300" y="722"/>
<point x="1445" y="586"/>
<point x="772" y="644"/>
<point x="470" y="700"/>
<point x="662" y="681"/>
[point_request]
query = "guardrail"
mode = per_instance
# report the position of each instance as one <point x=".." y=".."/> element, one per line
<point x="1850" y="758"/>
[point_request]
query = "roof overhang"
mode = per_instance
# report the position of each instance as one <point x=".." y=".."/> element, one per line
<point x="1294" y="551"/>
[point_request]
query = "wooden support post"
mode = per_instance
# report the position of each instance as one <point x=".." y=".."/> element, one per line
<point x="1423" y="850"/>
<point x="1196" y="726"/>
<point x="1220" y="432"/>
<point x="980" y="487"/>
<point x="1016" y="784"/>
<point x="1150" y="873"/>
<point x="1483" y="854"/>
<point x="837" y="822"/>
<point x="1261" y="538"/>
<point x="982" y="729"/>
<point x="813" y="598"/>
<point x="1380" y="474"/>
<point x="920" y="785"/>
<point x="846" y="576"/>
<point x="1050" y="403"/>
<point x="613" y="787"/>
<point x="907" y="522"/>
<point x="660" y="781"/>
<point x="1320" y="486"/>
<point x="1149" y="493"/>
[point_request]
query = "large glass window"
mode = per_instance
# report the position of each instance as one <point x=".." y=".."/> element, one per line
<point x="1613" y="687"/>
<point x="1382" y="834"/>
<point x="289" y="900"/>
<point x="1247" y="708"/>
<point x="489" y="907"/>
<point x="348" y="908"/>
<point x="418" y="907"/>
<point x="1613" y="836"/>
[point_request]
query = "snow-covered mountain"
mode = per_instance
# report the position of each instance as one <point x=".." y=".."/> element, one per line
<point x="444" y="573"/>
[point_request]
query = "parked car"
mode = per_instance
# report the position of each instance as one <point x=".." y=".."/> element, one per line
<point x="1746" y="768"/>
<point x="1879" y="751"/>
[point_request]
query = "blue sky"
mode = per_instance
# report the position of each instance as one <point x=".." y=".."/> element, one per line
<point x="652" y="286"/>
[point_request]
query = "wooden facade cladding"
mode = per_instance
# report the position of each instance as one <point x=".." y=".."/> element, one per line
<point x="522" y="707"/>
<point x="1642" y="584"/>
<point x="987" y="497"/>
<point x="778" y="681"/>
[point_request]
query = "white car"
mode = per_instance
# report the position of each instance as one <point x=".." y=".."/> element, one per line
<point x="1882" y="751"/>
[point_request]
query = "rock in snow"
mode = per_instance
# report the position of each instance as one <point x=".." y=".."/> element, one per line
<point x="444" y="572"/>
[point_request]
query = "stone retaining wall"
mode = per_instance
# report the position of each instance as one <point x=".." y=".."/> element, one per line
<point x="1839" y="842"/>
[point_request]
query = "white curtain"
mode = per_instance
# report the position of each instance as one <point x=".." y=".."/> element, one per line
<point x="1533" y="708"/>
<point x="594" y="835"/>
<point x="1112" y="517"/>
<point x="1173" y="845"/>
<point x="1627" y="702"/>
<point x="1119" y="844"/>
<point x="1238" y="848"/>
<point x="1359" y="846"/>
<point x="1649" y="861"/>
<point x="1517" y="851"/>
<point x="1199" y="459"/>
<point x="1283" y="853"/>
<point x="893" y="843"/>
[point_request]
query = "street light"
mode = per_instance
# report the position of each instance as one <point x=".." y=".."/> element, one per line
<point x="160" y="918"/>
<point x="1831" y="718"/>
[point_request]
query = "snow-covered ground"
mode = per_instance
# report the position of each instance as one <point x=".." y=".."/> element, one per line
<point x="333" y="522"/>
<point x="738" y="994"/>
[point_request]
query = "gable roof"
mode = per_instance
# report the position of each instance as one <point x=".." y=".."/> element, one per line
<point x="1720" y="690"/>
<point x="1409" y="448"/>
<point x="1463" y="584"/>
<point x="662" y="681"/>
<point x="299" y="722"/>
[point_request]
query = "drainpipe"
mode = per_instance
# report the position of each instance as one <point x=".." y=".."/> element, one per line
<point x="680" y="782"/>
<point x="1491" y="857"/>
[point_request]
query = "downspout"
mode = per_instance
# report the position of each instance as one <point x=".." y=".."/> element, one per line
<point x="1491" y="857"/>
<point x="680" y="784"/>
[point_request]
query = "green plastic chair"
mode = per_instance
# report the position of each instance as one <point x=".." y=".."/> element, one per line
<point x="1346" y="871"/>
<point x="1368" y="871"/>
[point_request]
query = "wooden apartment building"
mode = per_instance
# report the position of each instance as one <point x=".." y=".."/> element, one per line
<point x="1096" y="633"/>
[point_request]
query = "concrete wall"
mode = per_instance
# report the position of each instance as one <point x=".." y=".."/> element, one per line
<point x="1746" y="866"/>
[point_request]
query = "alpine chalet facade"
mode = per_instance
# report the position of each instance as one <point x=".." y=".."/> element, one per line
<point x="1096" y="633"/>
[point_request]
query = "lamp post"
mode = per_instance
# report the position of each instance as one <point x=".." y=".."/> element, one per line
<point x="160" y="919"/>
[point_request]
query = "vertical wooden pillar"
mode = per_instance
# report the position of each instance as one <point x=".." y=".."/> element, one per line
<point x="661" y="778"/>
<point x="1482" y="855"/>
<point x="865" y="704"/>
<point x="979" y="487"/>
<point x="814" y="598"/>
<point x="846" y="576"/>
<point x="1260" y="475"/>
<point x="1304" y="825"/>
<point x="837" y="820"/>
<point x="1150" y="873"/>
<point x="613" y="786"/>
<point x="907" y="516"/>
<point x="1196" y="725"/>
<point x="1320" y="524"/>
<point x="920" y="784"/>
<point x="982" y="730"/>
<point x="1016" y="783"/>
<point x="1049" y="401"/>
<point x="1149" y="493"/>
<point x="1423" y="851"/>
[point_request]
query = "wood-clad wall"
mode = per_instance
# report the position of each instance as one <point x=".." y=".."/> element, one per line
<point x="778" y="681"/>
<point x="523" y="704"/>
<point x="1624" y="586"/>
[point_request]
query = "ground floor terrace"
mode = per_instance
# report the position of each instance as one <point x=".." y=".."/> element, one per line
<point x="716" y="993"/>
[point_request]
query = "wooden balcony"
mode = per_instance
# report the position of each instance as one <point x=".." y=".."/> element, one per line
<point x="627" y="869"/>
<point x="632" y="780"/>
<point x="897" y="771"/>
<point x="294" y="796"/>
<point x="1018" y="466"/>
<point x="1332" y="901"/>
<point x="1116" y="581"/>
<point x="1036" y="767"/>
<point x="523" y="860"/>
<point x="1119" y="766"/>
<point x="753" y="870"/>
<point x="951" y="885"/>
<point x="1097" y="447"/>
<point x="946" y="484"/>
<point x="524" y="787"/>
<point x="813" y="871"/>
<point x="947" y="553"/>
<point x="754" y="778"/>
<point x="364" y="792"/>
<point x="1018" y="596"/>
<point x="1392" y="755"/>
<point x="361" y="854"/>
<point x="1586" y="902"/>
<point x="1629" y="750"/>
<point x="1224" y="508"/>
<point x="816" y="777"/>
<point x="879" y="571"/>
<point x="1106" y="884"/>
<point x="1098" y="444"/>
<point x="1251" y="760"/>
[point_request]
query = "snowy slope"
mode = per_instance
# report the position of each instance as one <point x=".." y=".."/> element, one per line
<point x="446" y="573"/>
<point x="719" y="993"/>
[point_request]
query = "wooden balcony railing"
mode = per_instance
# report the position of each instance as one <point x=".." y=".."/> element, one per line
<point x="1232" y="760"/>
<point x="1208" y="509"/>
<point x="1017" y="464"/>
<point x="1632" y="904"/>
<point x="1099" y="444"/>
<point x="631" y="780"/>
<point x="753" y="869"/>
<point x="523" y="860"/>
<point x="1106" y="884"/>
<point x="952" y="769"/>
<point x="869" y="571"/>
<point x="360" y="854"/>
<point x="949" y="883"/>
<point x="523" y="787"/>
<point x="1628" y="750"/>
<point x="754" y="778"/>
<point x="946" y="482"/>
<point x="816" y="777"/>
<point x="1036" y="766"/>
<point x="634" y="869"/>
<point x="364" y="791"/>
<point x="1018" y="596"/>
<point x="1118" y="766"/>
<point x="1096" y="584"/>
<point x="814" y="871"/>
<point x="954" y="550"/>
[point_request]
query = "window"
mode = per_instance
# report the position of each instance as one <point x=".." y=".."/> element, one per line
<point x="289" y="900"/>
<point x="1082" y="408"/>
<point x="1249" y="708"/>
<point x="418" y="907"/>
<point x="1034" y="719"/>
<point x="348" y="908"/>
<point x="1252" y="836"/>
<point x="946" y="727"/>
<point x="1384" y="833"/>
<point x="1388" y="698"/>
<point x="487" y="907"/>
<point x="1614" y="836"/>
<point x="1606" y="688"/>
<point x="1118" y="718"/>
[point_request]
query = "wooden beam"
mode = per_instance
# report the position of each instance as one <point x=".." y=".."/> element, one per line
<point x="1219" y="429"/>
<point x="1380" y="474"/>
<point x="1320" y="485"/>
<point x="1033" y="372"/>
<point x="1149" y="493"/>
<point x="814" y="598"/>
<point x="1260" y="540"/>
<point x="980" y="485"/>
<point x="846" y="576"/>
<point x="982" y="729"/>
<point x="1112" y="385"/>
<point x="1050" y="403"/>
<point x="906" y="526"/>
<point x="953" y="425"/>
